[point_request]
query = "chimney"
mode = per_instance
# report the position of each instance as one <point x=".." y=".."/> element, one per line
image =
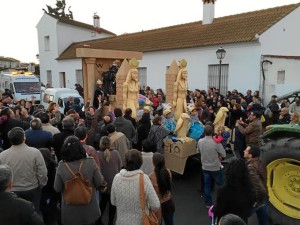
<point x="96" y="19"/>
<point x="208" y="11"/>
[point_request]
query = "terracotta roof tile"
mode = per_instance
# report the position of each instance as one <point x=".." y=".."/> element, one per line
<point x="80" y="24"/>
<point x="224" y="30"/>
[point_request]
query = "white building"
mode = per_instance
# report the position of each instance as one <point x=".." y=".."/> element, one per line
<point x="7" y="63"/>
<point x="252" y="41"/>
<point x="55" y="34"/>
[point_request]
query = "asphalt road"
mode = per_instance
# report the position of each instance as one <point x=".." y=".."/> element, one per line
<point x="189" y="203"/>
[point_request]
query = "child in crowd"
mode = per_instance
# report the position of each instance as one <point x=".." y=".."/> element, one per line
<point x="155" y="102"/>
<point x="196" y="128"/>
<point x="168" y="120"/>
<point x="222" y="137"/>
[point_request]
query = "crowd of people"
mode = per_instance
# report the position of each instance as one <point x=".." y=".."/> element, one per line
<point x="112" y="149"/>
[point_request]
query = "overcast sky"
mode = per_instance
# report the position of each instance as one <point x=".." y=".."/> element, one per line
<point x="18" y="36"/>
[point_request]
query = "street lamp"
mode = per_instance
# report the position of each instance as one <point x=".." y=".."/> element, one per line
<point x="220" y="55"/>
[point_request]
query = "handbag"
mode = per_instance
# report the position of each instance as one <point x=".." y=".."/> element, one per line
<point x="150" y="219"/>
<point x="78" y="190"/>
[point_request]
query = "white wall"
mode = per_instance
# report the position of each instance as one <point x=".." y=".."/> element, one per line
<point x="61" y="36"/>
<point x="292" y="77"/>
<point x="69" y="67"/>
<point x="243" y="60"/>
<point x="47" y="27"/>
<point x="283" y="38"/>
<point x="68" y="34"/>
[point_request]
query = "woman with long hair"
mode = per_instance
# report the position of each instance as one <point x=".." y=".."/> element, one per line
<point x="237" y="195"/>
<point x="74" y="156"/>
<point x="161" y="180"/>
<point x="110" y="165"/>
<point x="143" y="129"/>
<point x="55" y="115"/>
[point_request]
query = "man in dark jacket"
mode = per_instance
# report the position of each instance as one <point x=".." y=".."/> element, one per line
<point x="14" y="210"/>
<point x="258" y="175"/>
<point x="252" y="130"/>
<point x="284" y="116"/>
<point x="37" y="137"/>
<point x="274" y="108"/>
<point x="68" y="124"/>
<point x="123" y="125"/>
<point x="9" y="123"/>
<point x="98" y="94"/>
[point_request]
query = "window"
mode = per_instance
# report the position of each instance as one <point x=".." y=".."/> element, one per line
<point x="48" y="98"/>
<point x="6" y="85"/>
<point x="49" y="77"/>
<point x="214" y="74"/>
<point x="143" y="76"/>
<point x="62" y="79"/>
<point x="27" y="87"/>
<point x="47" y="43"/>
<point x="79" y="77"/>
<point x="281" y="77"/>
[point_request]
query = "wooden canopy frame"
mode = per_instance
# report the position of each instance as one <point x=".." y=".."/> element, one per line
<point x="97" y="61"/>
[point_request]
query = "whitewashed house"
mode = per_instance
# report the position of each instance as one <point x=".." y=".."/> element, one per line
<point x="55" y="35"/>
<point x="7" y="63"/>
<point x="266" y="39"/>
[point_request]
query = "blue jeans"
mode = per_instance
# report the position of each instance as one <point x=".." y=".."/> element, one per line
<point x="209" y="177"/>
<point x="262" y="213"/>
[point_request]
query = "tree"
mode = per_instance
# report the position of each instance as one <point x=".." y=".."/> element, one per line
<point x="59" y="10"/>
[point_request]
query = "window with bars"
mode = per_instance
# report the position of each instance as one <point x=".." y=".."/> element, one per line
<point x="214" y="77"/>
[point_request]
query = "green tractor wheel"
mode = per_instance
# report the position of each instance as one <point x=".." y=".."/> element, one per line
<point x="282" y="157"/>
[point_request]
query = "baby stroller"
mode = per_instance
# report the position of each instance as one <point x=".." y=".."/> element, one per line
<point x="211" y="215"/>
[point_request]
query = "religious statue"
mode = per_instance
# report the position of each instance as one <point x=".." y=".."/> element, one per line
<point x="180" y="90"/>
<point x="220" y="118"/>
<point x="182" y="126"/>
<point x="131" y="88"/>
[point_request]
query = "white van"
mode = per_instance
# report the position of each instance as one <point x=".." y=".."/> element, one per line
<point x="57" y="94"/>
<point x="22" y="85"/>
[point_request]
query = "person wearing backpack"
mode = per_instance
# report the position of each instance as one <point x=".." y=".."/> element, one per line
<point x="158" y="133"/>
<point x="75" y="161"/>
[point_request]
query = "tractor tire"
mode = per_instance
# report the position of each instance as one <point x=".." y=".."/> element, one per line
<point x="282" y="157"/>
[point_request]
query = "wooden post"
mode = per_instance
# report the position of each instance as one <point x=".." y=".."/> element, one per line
<point x="171" y="76"/>
<point x="90" y="81"/>
<point x="120" y="79"/>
